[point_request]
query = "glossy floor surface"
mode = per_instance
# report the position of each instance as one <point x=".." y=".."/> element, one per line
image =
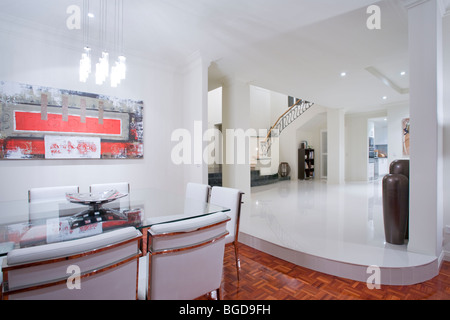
<point x="336" y="222"/>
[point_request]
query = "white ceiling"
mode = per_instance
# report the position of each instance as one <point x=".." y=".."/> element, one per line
<point x="296" y="47"/>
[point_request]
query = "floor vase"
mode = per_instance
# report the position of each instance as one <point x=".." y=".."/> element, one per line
<point x="395" y="207"/>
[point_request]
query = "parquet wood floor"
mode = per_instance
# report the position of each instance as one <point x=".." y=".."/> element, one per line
<point x="264" y="277"/>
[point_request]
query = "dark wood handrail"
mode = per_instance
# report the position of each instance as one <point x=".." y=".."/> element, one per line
<point x="298" y="102"/>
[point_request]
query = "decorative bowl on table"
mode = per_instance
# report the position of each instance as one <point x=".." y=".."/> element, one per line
<point x="95" y="213"/>
<point x="92" y="198"/>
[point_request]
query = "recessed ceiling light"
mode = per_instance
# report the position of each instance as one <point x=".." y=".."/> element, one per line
<point x="91" y="15"/>
<point x="343" y="74"/>
<point x="402" y="73"/>
<point x="384" y="98"/>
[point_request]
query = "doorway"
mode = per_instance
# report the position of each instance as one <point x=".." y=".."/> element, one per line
<point x="378" y="165"/>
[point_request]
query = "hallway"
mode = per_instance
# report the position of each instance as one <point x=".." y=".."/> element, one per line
<point x="335" y="229"/>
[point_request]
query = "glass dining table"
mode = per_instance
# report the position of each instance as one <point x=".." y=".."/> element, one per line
<point x="24" y="224"/>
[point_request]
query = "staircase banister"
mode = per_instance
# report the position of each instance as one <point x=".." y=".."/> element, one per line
<point x="280" y="117"/>
<point x="299" y="101"/>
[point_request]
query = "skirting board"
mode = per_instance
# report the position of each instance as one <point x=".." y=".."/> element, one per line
<point x="407" y="275"/>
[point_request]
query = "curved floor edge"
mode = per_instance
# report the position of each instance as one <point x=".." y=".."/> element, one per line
<point x="402" y="275"/>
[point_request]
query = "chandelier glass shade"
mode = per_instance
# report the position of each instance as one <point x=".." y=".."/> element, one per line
<point x="102" y="68"/>
<point x="85" y="64"/>
<point x="118" y="71"/>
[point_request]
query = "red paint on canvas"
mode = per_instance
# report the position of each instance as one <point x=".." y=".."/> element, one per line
<point x="37" y="147"/>
<point x="83" y="148"/>
<point x="122" y="148"/>
<point x="31" y="121"/>
<point x="26" y="146"/>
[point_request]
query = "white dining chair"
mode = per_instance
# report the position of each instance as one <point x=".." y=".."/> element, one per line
<point x="50" y="193"/>
<point x="198" y="191"/>
<point x="50" y="202"/>
<point x="185" y="259"/>
<point x="2" y="258"/>
<point x="103" y="266"/>
<point x="232" y="199"/>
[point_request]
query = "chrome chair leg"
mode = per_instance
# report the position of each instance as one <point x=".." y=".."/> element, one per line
<point x="218" y="297"/>
<point x="238" y="262"/>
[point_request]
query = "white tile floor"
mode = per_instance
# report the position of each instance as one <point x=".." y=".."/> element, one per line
<point x="330" y="228"/>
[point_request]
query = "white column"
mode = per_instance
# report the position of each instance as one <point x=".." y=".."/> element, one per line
<point x="426" y="105"/>
<point x="446" y="187"/>
<point x="336" y="146"/>
<point x="194" y="100"/>
<point x="235" y="116"/>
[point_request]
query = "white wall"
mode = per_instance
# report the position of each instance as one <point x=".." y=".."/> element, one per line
<point x="336" y="146"/>
<point x="262" y="104"/>
<point x="260" y="108"/>
<point x="45" y="60"/>
<point x="446" y="129"/>
<point x="214" y="148"/>
<point x="214" y="107"/>
<point x="381" y="133"/>
<point x="235" y="115"/>
<point x="278" y="106"/>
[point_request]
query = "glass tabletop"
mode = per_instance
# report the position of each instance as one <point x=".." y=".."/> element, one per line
<point x="24" y="224"/>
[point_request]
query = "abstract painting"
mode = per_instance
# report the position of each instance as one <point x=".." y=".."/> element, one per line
<point x="405" y="140"/>
<point x="46" y="123"/>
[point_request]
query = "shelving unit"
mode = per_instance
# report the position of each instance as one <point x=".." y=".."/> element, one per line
<point x="306" y="163"/>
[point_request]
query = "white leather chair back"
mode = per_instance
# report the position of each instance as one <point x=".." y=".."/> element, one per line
<point x="108" y="265"/>
<point x="50" y="202"/>
<point x="229" y="198"/>
<point x="50" y="193"/>
<point x="198" y="191"/>
<point x="122" y="187"/>
<point x="186" y="257"/>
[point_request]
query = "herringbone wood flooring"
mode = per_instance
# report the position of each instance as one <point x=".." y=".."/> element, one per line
<point x="264" y="277"/>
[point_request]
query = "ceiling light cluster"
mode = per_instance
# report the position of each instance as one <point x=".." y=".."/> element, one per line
<point x="102" y="70"/>
<point x="382" y="77"/>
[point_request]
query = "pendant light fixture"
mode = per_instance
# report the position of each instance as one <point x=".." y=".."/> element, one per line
<point x="85" y="62"/>
<point x="102" y="67"/>
<point x="118" y="70"/>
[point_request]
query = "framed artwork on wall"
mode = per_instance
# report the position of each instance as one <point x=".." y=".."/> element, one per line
<point x="405" y="138"/>
<point x="46" y="123"/>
